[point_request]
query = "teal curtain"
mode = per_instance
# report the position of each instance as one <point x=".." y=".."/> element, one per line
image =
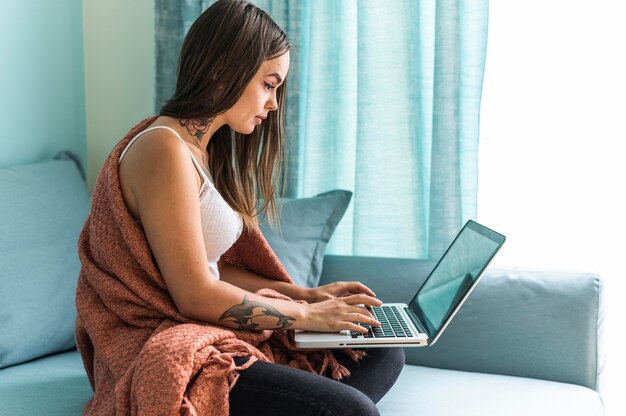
<point x="384" y="100"/>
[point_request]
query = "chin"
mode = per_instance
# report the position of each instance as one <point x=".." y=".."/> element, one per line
<point x="244" y="129"/>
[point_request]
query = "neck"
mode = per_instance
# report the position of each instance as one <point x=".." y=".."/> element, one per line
<point x="201" y="129"/>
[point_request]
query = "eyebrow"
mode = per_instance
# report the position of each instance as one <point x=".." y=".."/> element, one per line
<point x="278" y="77"/>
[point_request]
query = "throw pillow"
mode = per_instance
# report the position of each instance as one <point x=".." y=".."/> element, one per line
<point x="306" y="225"/>
<point x="43" y="208"/>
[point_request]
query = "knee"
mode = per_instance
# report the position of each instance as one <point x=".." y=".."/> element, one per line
<point x="356" y="404"/>
<point x="389" y="363"/>
<point x="391" y="358"/>
<point x="365" y="407"/>
<point x="397" y="358"/>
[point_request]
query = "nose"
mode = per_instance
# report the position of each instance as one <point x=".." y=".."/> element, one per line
<point x="272" y="103"/>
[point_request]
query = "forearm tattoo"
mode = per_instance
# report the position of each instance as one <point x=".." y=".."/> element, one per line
<point x="244" y="313"/>
<point x="197" y="127"/>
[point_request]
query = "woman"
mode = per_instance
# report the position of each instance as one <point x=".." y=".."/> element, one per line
<point x="189" y="179"/>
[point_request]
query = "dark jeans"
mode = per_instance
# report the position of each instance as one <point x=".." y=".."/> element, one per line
<point x="272" y="389"/>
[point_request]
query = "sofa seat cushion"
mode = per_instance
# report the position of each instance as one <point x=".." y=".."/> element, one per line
<point x="55" y="385"/>
<point x="434" y="392"/>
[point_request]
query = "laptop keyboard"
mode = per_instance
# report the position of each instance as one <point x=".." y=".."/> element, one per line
<point x="392" y="325"/>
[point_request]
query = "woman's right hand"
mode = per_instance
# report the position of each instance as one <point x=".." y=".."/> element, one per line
<point x="334" y="315"/>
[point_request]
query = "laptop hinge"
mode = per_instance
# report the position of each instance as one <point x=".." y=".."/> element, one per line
<point x="416" y="321"/>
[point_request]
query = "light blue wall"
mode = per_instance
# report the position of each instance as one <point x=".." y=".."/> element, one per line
<point x="42" y="100"/>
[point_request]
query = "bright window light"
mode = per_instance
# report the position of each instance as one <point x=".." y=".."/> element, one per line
<point x="552" y="156"/>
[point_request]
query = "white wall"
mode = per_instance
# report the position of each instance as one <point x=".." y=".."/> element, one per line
<point x="119" y="72"/>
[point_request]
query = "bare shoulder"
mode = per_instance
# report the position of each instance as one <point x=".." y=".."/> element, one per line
<point x="157" y="162"/>
<point x="155" y="148"/>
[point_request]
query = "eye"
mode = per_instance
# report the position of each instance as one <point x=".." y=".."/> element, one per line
<point x="268" y="86"/>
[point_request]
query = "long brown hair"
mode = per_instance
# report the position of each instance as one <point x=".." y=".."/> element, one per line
<point x="221" y="53"/>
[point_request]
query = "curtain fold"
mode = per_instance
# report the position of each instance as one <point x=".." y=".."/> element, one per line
<point x="383" y="100"/>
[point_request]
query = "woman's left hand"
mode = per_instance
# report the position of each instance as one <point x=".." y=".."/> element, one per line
<point x="337" y="290"/>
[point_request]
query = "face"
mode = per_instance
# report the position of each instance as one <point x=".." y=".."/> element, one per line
<point x="259" y="96"/>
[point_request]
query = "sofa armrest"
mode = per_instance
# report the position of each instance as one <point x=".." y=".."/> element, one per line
<point x="543" y="324"/>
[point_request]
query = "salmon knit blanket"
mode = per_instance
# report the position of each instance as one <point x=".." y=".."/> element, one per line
<point x="141" y="355"/>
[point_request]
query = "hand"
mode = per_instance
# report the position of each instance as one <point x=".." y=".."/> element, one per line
<point x="334" y="315"/>
<point x="337" y="290"/>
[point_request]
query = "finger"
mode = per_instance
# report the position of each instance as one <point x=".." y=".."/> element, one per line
<point x="354" y="327"/>
<point x="364" y="319"/>
<point x="358" y="287"/>
<point x="361" y="310"/>
<point x="362" y="299"/>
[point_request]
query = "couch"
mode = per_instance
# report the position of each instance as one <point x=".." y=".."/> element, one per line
<point x="527" y="342"/>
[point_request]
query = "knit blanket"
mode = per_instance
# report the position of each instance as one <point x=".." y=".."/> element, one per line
<point x="141" y="355"/>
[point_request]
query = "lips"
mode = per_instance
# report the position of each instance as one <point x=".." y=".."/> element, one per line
<point x="259" y="119"/>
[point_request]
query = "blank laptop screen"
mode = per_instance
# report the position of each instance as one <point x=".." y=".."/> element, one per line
<point x="456" y="272"/>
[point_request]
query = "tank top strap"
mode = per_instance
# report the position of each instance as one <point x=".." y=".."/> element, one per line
<point x="199" y="169"/>
<point x="195" y="162"/>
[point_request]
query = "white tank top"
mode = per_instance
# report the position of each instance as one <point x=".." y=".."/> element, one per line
<point x="221" y="225"/>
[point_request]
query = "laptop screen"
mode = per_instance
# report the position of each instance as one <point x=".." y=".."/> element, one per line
<point x="451" y="279"/>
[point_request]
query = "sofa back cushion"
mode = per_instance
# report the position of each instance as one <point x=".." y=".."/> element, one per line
<point x="43" y="207"/>
<point x="537" y="323"/>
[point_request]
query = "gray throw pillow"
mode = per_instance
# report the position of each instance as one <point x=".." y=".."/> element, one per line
<point x="306" y="225"/>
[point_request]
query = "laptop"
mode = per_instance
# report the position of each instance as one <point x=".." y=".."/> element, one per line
<point x="425" y="318"/>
